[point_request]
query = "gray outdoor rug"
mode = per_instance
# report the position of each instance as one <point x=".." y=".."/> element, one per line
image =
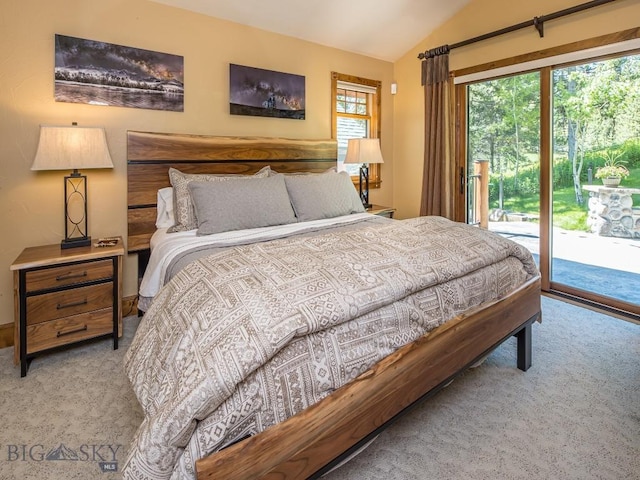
<point x="574" y="415"/>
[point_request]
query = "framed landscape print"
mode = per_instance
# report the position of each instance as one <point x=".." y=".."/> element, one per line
<point x="265" y="93"/>
<point x="98" y="73"/>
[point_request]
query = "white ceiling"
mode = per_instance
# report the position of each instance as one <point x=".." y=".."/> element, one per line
<point x="383" y="29"/>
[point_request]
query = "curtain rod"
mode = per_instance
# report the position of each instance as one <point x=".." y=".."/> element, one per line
<point x="537" y="22"/>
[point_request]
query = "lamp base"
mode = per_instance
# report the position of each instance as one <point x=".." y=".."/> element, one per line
<point x="75" y="242"/>
<point x="364" y="186"/>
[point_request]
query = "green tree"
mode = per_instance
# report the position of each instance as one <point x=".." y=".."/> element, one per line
<point x="593" y="105"/>
<point x="595" y="108"/>
<point x="504" y="126"/>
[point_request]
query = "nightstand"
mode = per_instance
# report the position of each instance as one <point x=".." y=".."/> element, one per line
<point x="381" y="211"/>
<point x="62" y="297"/>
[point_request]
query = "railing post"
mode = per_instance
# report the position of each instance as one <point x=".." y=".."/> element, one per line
<point x="481" y="169"/>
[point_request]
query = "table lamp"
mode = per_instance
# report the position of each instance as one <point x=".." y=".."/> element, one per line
<point x="73" y="148"/>
<point x="364" y="151"/>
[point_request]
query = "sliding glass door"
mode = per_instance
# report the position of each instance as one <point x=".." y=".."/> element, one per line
<point x="595" y="239"/>
<point x="504" y="131"/>
<point x="548" y="140"/>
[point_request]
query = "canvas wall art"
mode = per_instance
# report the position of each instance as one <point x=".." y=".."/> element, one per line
<point x="98" y="73"/>
<point x="265" y="93"/>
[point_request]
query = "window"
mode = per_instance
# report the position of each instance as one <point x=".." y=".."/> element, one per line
<point x="545" y="131"/>
<point x="355" y="114"/>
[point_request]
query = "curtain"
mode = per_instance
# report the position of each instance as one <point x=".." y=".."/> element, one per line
<point x="437" y="195"/>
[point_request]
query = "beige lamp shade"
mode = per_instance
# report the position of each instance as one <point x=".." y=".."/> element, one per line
<point x="363" y="150"/>
<point x="68" y="148"/>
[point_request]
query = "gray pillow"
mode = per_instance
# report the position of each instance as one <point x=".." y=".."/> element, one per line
<point x="183" y="206"/>
<point x="324" y="195"/>
<point x="243" y="203"/>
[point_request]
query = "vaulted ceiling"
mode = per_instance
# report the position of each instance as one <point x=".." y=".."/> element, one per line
<point x="383" y="29"/>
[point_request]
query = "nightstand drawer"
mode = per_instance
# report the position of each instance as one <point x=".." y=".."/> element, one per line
<point x="55" y="333"/>
<point x="42" y="308"/>
<point x="68" y="275"/>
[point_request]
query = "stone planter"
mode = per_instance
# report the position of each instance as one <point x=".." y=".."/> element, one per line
<point x="611" y="181"/>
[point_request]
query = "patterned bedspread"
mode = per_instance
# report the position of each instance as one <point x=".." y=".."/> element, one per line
<point x="243" y="339"/>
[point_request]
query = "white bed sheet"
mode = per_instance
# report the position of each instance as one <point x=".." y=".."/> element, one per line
<point x="166" y="246"/>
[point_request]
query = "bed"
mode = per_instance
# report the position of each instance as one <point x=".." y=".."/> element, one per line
<point x="384" y="375"/>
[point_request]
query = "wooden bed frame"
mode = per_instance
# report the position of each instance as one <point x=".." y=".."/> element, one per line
<point x="310" y="443"/>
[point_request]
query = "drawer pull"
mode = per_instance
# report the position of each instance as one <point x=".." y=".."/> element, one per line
<point x="71" y="275"/>
<point x="81" y="329"/>
<point x="74" y="304"/>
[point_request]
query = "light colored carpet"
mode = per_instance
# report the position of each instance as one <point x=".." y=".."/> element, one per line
<point x="574" y="415"/>
<point x="79" y="398"/>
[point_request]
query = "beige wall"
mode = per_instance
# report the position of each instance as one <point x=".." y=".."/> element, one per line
<point x="477" y="18"/>
<point x="32" y="203"/>
<point x="31" y="212"/>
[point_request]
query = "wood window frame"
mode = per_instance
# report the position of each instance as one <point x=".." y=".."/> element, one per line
<point x="375" y="179"/>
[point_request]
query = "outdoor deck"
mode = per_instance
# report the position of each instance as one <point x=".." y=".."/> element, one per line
<point x="606" y="265"/>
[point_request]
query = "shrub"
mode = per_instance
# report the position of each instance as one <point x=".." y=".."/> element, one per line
<point x="631" y="150"/>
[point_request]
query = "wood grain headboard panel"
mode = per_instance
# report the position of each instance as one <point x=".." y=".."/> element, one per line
<point x="150" y="155"/>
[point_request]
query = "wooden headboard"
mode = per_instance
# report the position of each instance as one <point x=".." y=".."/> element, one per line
<point x="150" y="155"/>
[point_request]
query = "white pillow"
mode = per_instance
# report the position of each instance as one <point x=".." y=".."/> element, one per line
<point x="165" y="217"/>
